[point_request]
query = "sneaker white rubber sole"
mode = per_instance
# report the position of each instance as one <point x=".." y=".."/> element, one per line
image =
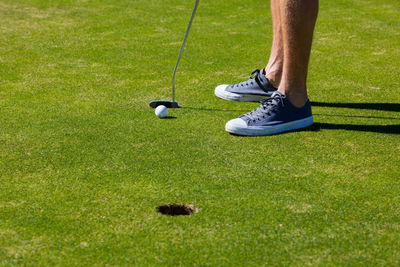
<point x="239" y="127"/>
<point x="221" y="93"/>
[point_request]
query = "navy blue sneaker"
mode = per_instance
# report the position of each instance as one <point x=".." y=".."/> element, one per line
<point x="275" y="115"/>
<point x="256" y="88"/>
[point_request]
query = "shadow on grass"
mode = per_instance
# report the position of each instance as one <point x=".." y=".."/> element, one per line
<point x="388" y="129"/>
<point x="374" y="106"/>
<point x="169" y="118"/>
<point x="353" y="116"/>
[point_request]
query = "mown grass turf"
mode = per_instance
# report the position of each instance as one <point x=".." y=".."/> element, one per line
<point x="84" y="162"/>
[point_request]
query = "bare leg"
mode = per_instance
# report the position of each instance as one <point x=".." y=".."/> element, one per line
<point x="298" y="20"/>
<point x="273" y="71"/>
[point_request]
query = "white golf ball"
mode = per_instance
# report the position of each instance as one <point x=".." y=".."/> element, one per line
<point x="161" y="111"/>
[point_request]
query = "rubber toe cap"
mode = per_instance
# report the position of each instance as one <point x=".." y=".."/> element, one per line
<point x="235" y="124"/>
<point x="220" y="89"/>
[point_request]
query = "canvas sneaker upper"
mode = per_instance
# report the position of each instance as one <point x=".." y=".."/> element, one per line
<point x="274" y="115"/>
<point x="257" y="87"/>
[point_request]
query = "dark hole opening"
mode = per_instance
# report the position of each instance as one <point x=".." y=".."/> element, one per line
<point x="176" y="209"/>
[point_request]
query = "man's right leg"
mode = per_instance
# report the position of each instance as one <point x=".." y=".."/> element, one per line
<point x="262" y="83"/>
<point x="273" y="70"/>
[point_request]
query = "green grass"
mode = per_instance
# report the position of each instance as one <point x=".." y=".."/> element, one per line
<point x="84" y="162"/>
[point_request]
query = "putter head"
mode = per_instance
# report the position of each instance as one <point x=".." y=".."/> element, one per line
<point x="168" y="104"/>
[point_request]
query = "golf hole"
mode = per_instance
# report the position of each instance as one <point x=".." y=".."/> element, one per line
<point x="176" y="209"/>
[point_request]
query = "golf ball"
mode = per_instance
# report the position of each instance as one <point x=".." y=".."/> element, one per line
<point x="161" y="111"/>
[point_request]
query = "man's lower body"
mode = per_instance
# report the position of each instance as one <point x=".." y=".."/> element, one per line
<point x="281" y="85"/>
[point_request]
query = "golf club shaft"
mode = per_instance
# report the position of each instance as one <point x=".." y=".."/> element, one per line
<point x="183" y="47"/>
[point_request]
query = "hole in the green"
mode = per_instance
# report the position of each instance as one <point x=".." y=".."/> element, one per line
<point x="176" y="209"/>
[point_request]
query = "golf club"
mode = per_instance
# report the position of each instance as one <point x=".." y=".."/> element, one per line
<point x="173" y="103"/>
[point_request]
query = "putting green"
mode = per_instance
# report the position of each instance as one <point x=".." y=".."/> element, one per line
<point x="84" y="162"/>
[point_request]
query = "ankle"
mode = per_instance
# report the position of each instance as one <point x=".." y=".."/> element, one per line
<point x="298" y="98"/>
<point x="274" y="77"/>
